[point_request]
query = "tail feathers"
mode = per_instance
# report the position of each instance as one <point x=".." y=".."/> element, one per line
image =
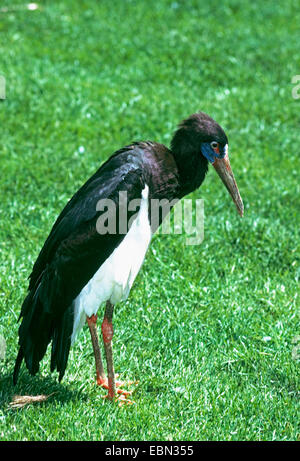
<point x="61" y="342"/>
<point x="34" y="334"/>
<point x="37" y="329"/>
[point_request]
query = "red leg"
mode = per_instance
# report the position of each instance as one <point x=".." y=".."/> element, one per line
<point x="107" y="334"/>
<point x="100" y="374"/>
<point x="102" y="381"/>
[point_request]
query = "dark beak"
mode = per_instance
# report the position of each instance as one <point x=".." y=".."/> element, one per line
<point x="223" y="168"/>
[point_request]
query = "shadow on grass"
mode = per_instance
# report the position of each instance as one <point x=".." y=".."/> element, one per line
<point x="36" y="386"/>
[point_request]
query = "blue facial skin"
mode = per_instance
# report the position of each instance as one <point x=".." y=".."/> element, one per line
<point x="210" y="154"/>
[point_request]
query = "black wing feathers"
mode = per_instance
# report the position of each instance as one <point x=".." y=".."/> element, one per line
<point x="72" y="253"/>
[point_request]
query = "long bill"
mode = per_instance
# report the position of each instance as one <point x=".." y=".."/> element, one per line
<point x="223" y="168"/>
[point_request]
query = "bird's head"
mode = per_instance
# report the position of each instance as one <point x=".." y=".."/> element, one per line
<point x="198" y="141"/>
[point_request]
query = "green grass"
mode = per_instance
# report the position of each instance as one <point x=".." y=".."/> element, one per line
<point x="210" y="331"/>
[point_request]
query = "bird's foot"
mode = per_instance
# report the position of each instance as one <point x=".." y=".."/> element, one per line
<point x="120" y="399"/>
<point x="122" y="394"/>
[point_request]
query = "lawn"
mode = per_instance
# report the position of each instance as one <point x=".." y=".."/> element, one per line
<point x="210" y="331"/>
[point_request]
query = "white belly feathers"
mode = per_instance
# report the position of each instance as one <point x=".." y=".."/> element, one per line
<point x="115" y="277"/>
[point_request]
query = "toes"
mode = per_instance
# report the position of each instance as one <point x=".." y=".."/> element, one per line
<point x="122" y="400"/>
<point x="123" y="392"/>
<point x="102" y="382"/>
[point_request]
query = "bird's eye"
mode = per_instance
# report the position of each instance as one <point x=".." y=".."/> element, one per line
<point x="214" y="144"/>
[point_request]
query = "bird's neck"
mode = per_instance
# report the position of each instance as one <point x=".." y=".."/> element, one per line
<point x="192" y="168"/>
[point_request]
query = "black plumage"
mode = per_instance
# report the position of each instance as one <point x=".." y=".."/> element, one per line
<point x="74" y="250"/>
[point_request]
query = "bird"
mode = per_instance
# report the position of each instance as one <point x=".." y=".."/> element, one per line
<point x="91" y="260"/>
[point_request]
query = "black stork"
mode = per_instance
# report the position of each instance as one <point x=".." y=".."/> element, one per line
<point x="80" y="267"/>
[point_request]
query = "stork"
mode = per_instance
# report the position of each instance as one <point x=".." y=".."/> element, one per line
<point x="82" y="265"/>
